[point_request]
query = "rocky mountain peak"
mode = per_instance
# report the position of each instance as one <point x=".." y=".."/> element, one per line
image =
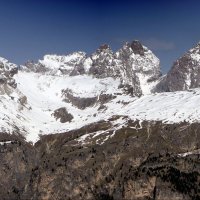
<point x="139" y="65"/>
<point x="7" y="71"/>
<point x="133" y="64"/>
<point x="184" y="74"/>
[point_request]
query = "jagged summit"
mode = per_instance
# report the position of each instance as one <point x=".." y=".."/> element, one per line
<point x="184" y="74"/>
<point x="134" y="64"/>
<point x="139" y="65"/>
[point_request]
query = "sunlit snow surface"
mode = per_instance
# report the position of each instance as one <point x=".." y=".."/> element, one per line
<point x="44" y="96"/>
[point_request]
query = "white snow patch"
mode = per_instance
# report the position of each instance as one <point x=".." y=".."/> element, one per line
<point x="6" y="142"/>
<point x="197" y="151"/>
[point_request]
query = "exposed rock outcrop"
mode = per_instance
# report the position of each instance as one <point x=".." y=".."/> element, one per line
<point x="79" y="102"/>
<point x="7" y="71"/>
<point x="85" y="102"/>
<point x="63" y="115"/>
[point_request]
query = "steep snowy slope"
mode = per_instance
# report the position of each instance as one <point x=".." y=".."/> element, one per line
<point x="44" y="96"/>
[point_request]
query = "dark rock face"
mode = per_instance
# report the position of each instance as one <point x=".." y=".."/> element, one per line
<point x="105" y="98"/>
<point x="142" y="163"/>
<point x="79" y="102"/>
<point x="137" y="48"/>
<point x="82" y="103"/>
<point x="63" y="115"/>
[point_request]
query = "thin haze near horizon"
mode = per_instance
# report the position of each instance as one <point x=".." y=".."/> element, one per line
<point x="31" y="29"/>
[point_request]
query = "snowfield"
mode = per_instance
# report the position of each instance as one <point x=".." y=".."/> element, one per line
<point x="44" y="96"/>
<point x="96" y="89"/>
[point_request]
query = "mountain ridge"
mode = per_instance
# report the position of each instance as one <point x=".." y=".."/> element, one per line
<point x="106" y="63"/>
<point x="87" y="89"/>
<point x="96" y="131"/>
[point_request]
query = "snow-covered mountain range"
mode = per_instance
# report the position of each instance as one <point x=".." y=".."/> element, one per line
<point x="62" y="93"/>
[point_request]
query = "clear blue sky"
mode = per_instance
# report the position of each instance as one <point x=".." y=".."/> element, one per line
<point x="31" y="28"/>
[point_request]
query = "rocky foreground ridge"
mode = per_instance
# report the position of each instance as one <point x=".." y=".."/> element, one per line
<point x="155" y="161"/>
<point x="103" y="126"/>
